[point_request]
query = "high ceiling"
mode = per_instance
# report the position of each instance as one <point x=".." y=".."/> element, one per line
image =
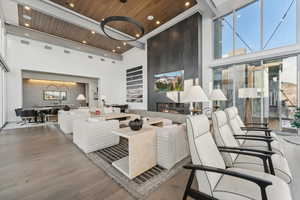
<point x="161" y="10"/>
<point x="57" y="27"/>
<point x="140" y="10"/>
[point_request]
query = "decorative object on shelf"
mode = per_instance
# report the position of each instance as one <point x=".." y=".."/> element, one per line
<point x="103" y="99"/>
<point x="136" y="124"/>
<point x="195" y="94"/>
<point x="134" y="77"/>
<point x="111" y="19"/>
<point x="97" y="112"/>
<point x="217" y="95"/>
<point x="248" y="94"/>
<point x="81" y="98"/>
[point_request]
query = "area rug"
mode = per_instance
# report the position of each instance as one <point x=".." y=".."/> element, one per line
<point x="14" y="125"/>
<point x="141" y="186"/>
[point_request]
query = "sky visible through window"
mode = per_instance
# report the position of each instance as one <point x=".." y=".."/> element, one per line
<point x="277" y="32"/>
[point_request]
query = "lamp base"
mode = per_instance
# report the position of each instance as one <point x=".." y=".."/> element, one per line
<point x="191" y="109"/>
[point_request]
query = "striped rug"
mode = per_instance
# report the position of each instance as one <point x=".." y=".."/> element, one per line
<point x="141" y="186"/>
<point x="119" y="151"/>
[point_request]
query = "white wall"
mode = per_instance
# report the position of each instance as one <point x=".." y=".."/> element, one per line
<point x="3" y="112"/>
<point x="133" y="58"/>
<point x="36" y="58"/>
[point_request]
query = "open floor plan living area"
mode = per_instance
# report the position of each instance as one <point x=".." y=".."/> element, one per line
<point x="149" y="99"/>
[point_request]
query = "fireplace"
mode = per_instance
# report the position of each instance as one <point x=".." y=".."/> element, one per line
<point x="178" y="108"/>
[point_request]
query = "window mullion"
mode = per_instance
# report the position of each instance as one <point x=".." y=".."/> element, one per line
<point x="262" y="24"/>
<point x="233" y="32"/>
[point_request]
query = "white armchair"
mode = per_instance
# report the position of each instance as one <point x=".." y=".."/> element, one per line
<point x="66" y="118"/>
<point x="93" y="135"/>
<point x="172" y="145"/>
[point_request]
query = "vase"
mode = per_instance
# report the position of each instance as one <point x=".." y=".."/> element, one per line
<point x="136" y="124"/>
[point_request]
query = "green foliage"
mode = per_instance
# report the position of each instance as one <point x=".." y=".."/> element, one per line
<point x="296" y="121"/>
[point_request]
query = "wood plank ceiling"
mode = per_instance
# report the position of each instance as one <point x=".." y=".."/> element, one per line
<point x="57" y="27"/>
<point x="161" y="10"/>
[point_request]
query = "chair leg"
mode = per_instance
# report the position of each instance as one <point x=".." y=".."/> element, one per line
<point x="189" y="184"/>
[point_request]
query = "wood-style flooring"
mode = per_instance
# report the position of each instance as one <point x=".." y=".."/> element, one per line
<point x="42" y="164"/>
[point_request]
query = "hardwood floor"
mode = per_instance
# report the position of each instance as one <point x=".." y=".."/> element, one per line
<point x="42" y="164"/>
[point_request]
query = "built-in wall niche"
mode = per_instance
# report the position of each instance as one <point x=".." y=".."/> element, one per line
<point x="134" y="78"/>
<point x="38" y="92"/>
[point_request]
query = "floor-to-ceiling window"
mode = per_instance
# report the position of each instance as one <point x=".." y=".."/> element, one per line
<point x="260" y="25"/>
<point x="275" y="84"/>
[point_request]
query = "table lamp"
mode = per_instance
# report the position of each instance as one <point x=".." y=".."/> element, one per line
<point x="195" y="94"/>
<point x="217" y="95"/>
<point x="81" y="98"/>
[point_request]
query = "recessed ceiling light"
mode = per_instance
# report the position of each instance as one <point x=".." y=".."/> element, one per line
<point x="27" y="17"/>
<point x="118" y="47"/>
<point x="72" y="5"/>
<point x="27" y="8"/>
<point x="124" y="43"/>
<point x="93" y="32"/>
<point x="150" y="17"/>
<point x="157" y="22"/>
<point x="137" y="35"/>
<point x="114" y="50"/>
<point x="27" y="25"/>
<point x="83" y="41"/>
<point x="103" y="19"/>
<point x="187" y="4"/>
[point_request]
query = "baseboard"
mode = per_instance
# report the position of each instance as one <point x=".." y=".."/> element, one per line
<point x="1" y="128"/>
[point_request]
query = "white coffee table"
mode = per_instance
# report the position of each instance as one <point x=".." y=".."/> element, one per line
<point x="141" y="151"/>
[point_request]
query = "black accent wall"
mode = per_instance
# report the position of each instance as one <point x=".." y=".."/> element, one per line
<point x="177" y="48"/>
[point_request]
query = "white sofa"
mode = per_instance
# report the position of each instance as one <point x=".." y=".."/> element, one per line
<point x="94" y="135"/>
<point x="172" y="145"/>
<point x="66" y="118"/>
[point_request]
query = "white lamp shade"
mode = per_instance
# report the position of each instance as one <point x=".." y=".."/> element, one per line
<point x="248" y="93"/>
<point x="80" y="97"/>
<point x="217" y="95"/>
<point x="195" y="94"/>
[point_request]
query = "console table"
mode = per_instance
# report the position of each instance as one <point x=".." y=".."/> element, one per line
<point x="141" y="151"/>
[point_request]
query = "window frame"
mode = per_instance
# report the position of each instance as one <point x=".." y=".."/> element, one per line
<point x="261" y="30"/>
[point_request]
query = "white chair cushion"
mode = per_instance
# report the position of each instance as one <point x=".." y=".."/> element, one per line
<point x="276" y="146"/>
<point x="280" y="164"/>
<point x="231" y="188"/>
<point x="204" y="152"/>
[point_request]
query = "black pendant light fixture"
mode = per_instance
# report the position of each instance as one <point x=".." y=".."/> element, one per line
<point x="129" y="20"/>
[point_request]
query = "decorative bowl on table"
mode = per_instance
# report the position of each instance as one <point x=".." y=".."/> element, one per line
<point x="66" y="108"/>
<point x="136" y="124"/>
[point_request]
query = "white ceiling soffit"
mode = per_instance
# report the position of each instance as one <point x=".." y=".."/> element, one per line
<point x="58" y="41"/>
<point x="219" y="2"/>
<point x="226" y="6"/>
<point x="9" y="11"/>
<point x="60" y="12"/>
